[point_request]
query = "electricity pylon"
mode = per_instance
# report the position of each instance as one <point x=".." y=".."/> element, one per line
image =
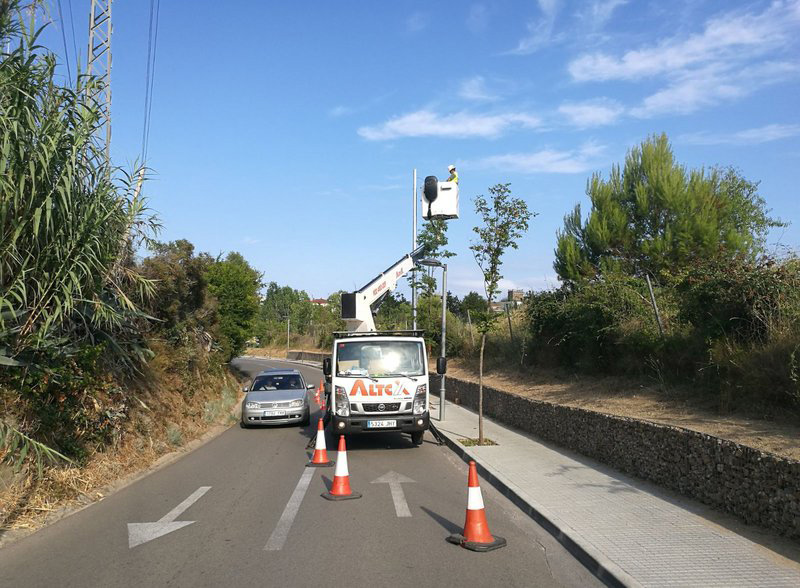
<point x="99" y="63"/>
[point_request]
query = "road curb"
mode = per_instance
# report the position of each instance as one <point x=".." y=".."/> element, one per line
<point x="596" y="562"/>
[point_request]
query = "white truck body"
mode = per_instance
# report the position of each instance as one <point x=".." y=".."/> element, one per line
<point x="377" y="381"/>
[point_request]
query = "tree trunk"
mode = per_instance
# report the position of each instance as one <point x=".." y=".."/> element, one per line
<point x="480" y="391"/>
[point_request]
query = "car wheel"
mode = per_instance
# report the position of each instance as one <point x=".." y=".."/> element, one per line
<point x="243" y="425"/>
<point x="306" y="419"/>
<point x="416" y="438"/>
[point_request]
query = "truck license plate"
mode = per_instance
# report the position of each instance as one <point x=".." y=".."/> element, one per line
<point x="274" y="413"/>
<point x="381" y="424"/>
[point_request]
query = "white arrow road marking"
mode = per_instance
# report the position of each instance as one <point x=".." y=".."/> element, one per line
<point x="139" y="533"/>
<point x="394" y="480"/>
<point x="281" y="532"/>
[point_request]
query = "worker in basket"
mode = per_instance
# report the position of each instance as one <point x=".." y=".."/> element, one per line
<point x="453" y="174"/>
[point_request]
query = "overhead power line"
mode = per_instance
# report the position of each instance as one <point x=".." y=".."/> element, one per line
<point x="64" y="38"/>
<point x="149" y="82"/>
<point x="72" y="26"/>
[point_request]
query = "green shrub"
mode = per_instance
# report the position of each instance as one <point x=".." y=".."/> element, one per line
<point x="740" y="298"/>
<point x="174" y="435"/>
<point x="731" y="328"/>
<point x="594" y="328"/>
<point x="766" y="376"/>
<point x="216" y="409"/>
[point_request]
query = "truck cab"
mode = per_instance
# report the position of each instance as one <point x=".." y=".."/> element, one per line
<point x="378" y="381"/>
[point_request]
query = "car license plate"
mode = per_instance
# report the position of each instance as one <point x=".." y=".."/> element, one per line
<point x="381" y="424"/>
<point x="274" y="413"/>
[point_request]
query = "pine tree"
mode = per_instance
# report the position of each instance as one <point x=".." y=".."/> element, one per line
<point x="656" y="216"/>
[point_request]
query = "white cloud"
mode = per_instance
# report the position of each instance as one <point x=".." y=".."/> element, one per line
<point x="477" y="18"/>
<point x="540" y="32"/>
<point x="733" y="37"/>
<point x="338" y="111"/>
<point x="475" y="89"/>
<point x="380" y="187"/>
<point x="416" y="22"/>
<point x="466" y="281"/>
<point x="425" y="123"/>
<point x="756" y="136"/>
<point x="704" y="87"/>
<point x="591" y="113"/>
<point x="251" y="241"/>
<point x="599" y="12"/>
<point x="735" y="54"/>
<point x="546" y="161"/>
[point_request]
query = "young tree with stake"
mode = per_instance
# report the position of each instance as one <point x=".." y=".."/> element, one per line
<point x="504" y="219"/>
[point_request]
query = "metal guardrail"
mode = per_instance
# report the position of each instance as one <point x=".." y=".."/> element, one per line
<point x="307" y="356"/>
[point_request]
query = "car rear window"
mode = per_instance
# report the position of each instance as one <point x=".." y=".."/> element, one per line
<point x="281" y="382"/>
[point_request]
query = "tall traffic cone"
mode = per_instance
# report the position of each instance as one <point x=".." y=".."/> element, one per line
<point x="476" y="535"/>
<point x="320" y="457"/>
<point x="341" y="477"/>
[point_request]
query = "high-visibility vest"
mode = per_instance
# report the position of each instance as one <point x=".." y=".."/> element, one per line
<point x="453" y="177"/>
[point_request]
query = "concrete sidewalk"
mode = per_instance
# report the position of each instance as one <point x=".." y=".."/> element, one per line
<point x="628" y="531"/>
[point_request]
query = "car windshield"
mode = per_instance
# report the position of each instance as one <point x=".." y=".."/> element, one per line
<point x="277" y="382"/>
<point x="380" y="358"/>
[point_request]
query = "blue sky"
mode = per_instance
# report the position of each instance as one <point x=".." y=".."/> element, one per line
<point x="288" y="131"/>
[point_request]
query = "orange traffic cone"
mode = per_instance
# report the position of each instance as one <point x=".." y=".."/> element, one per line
<point x="318" y="395"/>
<point x="320" y="457"/>
<point x="476" y="535"/>
<point x="341" y="477"/>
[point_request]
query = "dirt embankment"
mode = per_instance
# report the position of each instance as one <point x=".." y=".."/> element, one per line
<point x="629" y="398"/>
<point x="182" y="401"/>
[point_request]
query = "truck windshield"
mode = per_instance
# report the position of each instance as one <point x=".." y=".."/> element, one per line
<point x="380" y="358"/>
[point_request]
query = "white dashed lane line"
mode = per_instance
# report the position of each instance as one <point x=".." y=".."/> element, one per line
<point x="281" y="532"/>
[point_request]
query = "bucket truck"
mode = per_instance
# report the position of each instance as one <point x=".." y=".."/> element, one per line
<point x="377" y="380"/>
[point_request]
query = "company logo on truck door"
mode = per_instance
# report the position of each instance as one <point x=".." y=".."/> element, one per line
<point x="396" y="388"/>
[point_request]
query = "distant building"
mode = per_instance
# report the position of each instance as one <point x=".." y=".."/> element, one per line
<point x="319" y="302"/>
<point x="516" y="295"/>
<point x="514" y="300"/>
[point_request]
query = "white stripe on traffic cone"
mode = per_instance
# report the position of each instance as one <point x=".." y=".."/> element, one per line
<point x="320" y="457"/>
<point x="476" y="535"/>
<point x="340" y="490"/>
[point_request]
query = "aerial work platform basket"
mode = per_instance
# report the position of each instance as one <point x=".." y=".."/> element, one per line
<point x="439" y="199"/>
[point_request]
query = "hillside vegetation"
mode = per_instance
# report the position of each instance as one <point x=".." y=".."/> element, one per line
<point x="106" y="359"/>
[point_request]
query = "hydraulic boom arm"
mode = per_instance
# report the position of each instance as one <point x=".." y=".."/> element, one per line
<point x="358" y="307"/>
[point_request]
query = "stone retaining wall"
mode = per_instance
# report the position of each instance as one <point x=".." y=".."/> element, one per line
<point x="760" y="488"/>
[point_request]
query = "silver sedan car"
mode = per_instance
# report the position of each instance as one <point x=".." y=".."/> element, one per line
<point x="276" y="397"/>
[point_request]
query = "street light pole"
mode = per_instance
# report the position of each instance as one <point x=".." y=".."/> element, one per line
<point x="414" y="248"/>
<point x="444" y="339"/>
<point x="443" y="344"/>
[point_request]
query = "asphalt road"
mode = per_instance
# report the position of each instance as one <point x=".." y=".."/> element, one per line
<point x="241" y="490"/>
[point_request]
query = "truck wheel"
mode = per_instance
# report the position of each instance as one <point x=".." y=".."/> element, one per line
<point x="416" y="438"/>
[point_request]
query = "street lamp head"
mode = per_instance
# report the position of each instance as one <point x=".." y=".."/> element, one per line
<point x="431" y="262"/>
